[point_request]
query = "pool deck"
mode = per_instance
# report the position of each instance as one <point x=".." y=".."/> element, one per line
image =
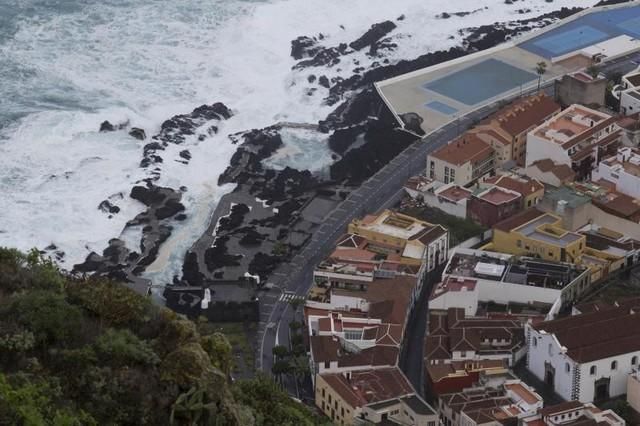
<point x="407" y="93"/>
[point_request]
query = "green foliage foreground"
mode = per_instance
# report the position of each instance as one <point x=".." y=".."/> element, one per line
<point x="91" y="352"/>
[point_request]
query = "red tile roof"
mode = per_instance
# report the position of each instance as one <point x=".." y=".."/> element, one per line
<point x="467" y="148"/>
<point x="369" y="386"/>
<point x="522" y="185"/>
<point x="597" y="335"/>
<point x="523" y="115"/>
<point x="518" y="220"/>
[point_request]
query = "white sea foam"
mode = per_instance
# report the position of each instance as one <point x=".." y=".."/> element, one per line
<point x="146" y="60"/>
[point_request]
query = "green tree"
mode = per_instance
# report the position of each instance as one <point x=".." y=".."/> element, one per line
<point x="193" y="407"/>
<point x="300" y="367"/>
<point x="31" y="404"/>
<point x="122" y="347"/>
<point x="280" y="352"/>
<point x="541" y="68"/>
<point x="280" y="368"/>
<point x="219" y="350"/>
<point x="295" y="326"/>
<point x="593" y="71"/>
<point x="48" y="316"/>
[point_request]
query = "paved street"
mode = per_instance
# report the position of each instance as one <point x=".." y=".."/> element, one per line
<point x="295" y="278"/>
<point x="411" y="358"/>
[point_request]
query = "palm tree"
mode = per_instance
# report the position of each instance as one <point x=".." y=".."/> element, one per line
<point x="192" y="406"/>
<point x="541" y="68"/>
<point x="280" y="352"/>
<point x="593" y="71"/>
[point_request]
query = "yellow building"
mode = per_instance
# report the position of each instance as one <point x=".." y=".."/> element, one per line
<point x="531" y="190"/>
<point x="416" y="241"/>
<point x="376" y="396"/>
<point x="538" y="234"/>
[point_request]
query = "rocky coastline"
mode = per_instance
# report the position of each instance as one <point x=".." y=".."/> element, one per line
<point x="272" y="213"/>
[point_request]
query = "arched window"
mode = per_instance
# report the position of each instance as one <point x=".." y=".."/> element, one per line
<point x="614" y="365"/>
<point x="567" y="367"/>
<point x="634" y="360"/>
<point x="593" y="370"/>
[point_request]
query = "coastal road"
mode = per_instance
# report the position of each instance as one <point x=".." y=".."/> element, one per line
<point x="380" y="190"/>
<point x="296" y="277"/>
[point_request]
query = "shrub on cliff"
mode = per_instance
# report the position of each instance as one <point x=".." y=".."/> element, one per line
<point x="92" y="352"/>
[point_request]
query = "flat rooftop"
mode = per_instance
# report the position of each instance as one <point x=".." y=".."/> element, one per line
<point x="455" y="193"/>
<point x="569" y="124"/>
<point x="542" y="229"/>
<point x="441" y="93"/>
<point x="497" y="195"/>
<point x="477" y="264"/>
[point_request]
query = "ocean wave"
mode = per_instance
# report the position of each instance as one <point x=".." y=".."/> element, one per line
<point x="144" y="61"/>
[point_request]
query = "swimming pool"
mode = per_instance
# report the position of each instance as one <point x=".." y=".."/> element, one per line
<point x="480" y="82"/>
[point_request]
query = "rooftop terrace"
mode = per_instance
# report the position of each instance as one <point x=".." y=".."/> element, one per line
<point x="511" y="269"/>
<point x="569" y="124"/>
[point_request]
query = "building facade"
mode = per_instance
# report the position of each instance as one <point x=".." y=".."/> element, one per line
<point x="586" y="357"/>
<point x="463" y="161"/>
<point x="621" y="170"/>
<point x="578" y="137"/>
<point x="493" y="205"/>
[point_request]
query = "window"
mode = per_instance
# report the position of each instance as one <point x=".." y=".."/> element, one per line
<point x="614" y="365"/>
<point x="519" y="243"/>
<point x="634" y="360"/>
<point x="567" y="367"/>
<point x="323" y="392"/>
<point x="550" y="349"/>
<point x="463" y="354"/>
<point x="593" y="370"/>
<point x="534" y="341"/>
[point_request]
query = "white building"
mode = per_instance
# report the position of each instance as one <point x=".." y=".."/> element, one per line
<point x="586" y="357"/>
<point x="628" y="92"/>
<point x="462" y="161"/>
<point x="573" y="413"/>
<point x="623" y="171"/>
<point x="473" y="276"/>
<point x="487" y="405"/>
<point x="574" y="137"/>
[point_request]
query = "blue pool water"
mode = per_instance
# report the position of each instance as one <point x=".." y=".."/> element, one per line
<point x="480" y="82"/>
<point x="571" y="40"/>
<point x="441" y="107"/>
<point x="585" y="31"/>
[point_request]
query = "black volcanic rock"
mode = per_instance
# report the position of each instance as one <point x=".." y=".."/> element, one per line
<point x="185" y="154"/>
<point x="107" y="207"/>
<point x="247" y="160"/>
<point x="341" y="139"/>
<point x="147" y="196"/>
<point x="325" y="57"/>
<point x="170" y="208"/>
<point x="324" y="81"/>
<point x="304" y="47"/>
<point x="92" y="263"/>
<point x="138" y="133"/>
<point x="177" y="128"/>
<point x="106" y="126"/>
<point x="234" y="219"/>
<point x="413" y="122"/>
<point x="375" y="33"/>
